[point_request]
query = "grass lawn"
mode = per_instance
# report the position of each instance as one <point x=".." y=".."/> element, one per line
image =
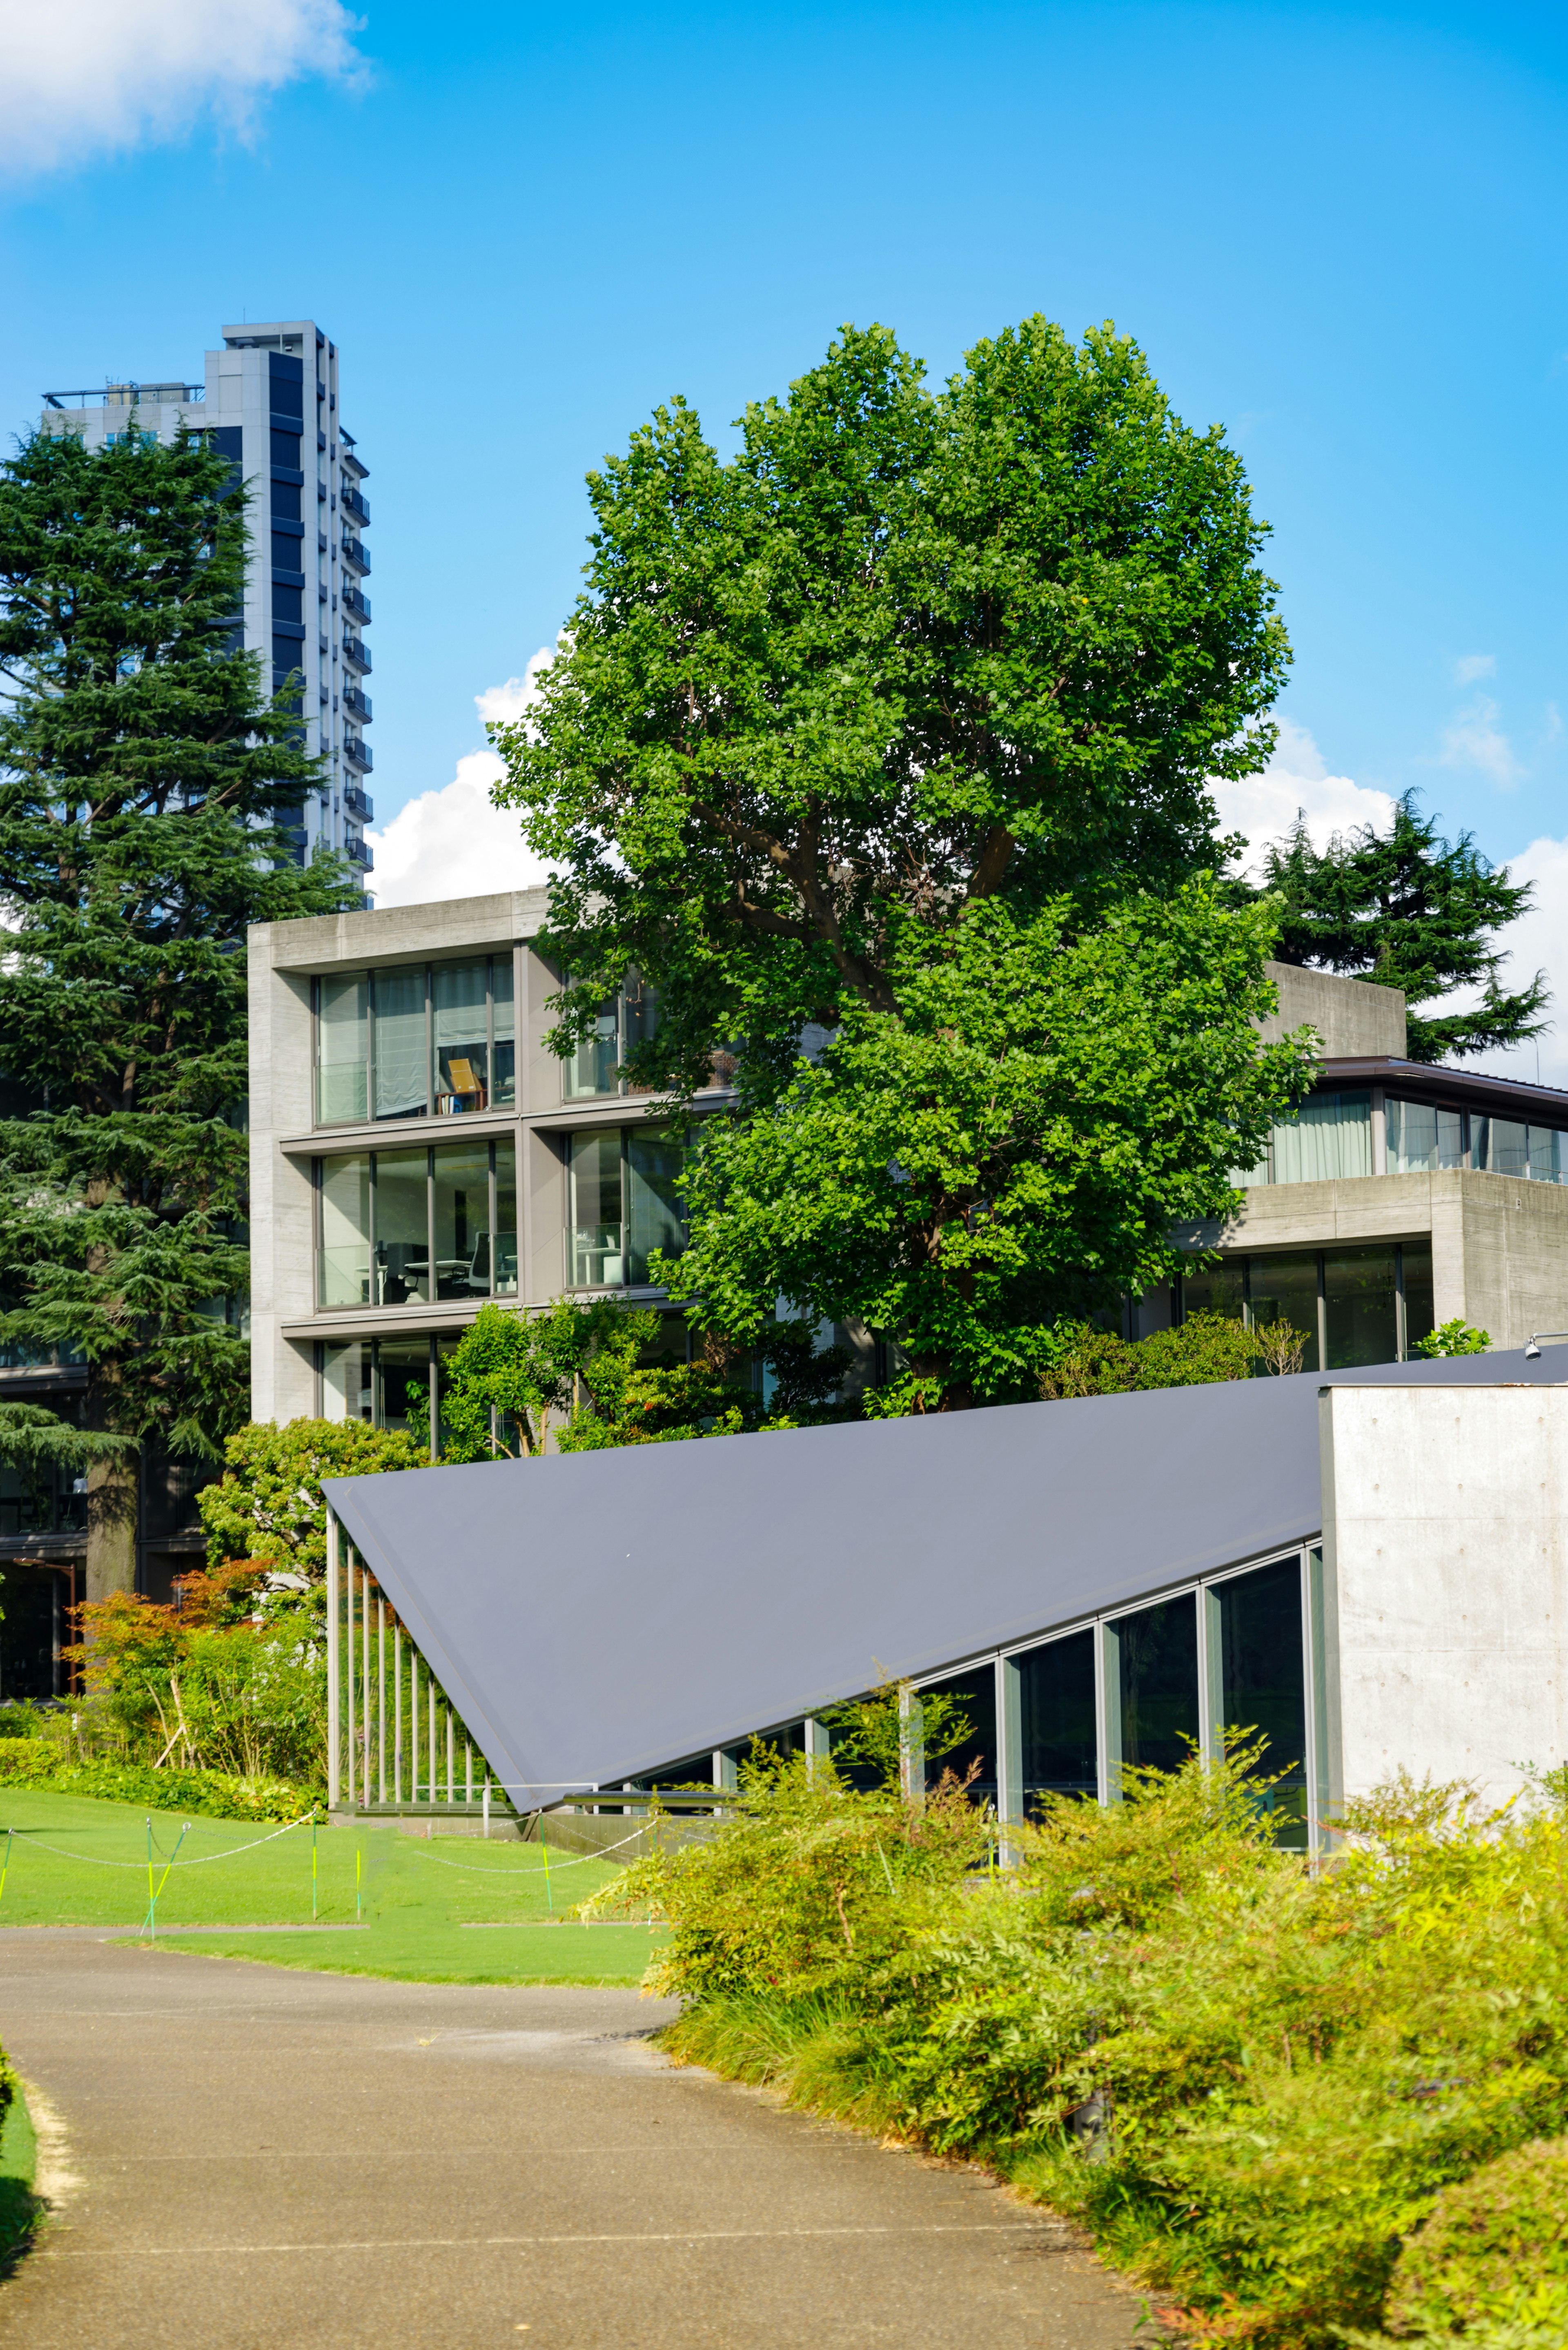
<point x="452" y="1909"/>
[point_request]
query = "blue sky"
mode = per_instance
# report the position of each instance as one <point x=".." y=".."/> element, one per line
<point x="1341" y="233"/>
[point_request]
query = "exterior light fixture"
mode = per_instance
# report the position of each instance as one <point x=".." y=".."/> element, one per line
<point x="1532" y="1351"/>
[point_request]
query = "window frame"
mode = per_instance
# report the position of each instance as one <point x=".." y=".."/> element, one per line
<point x="492" y="1143"/>
<point x="491" y="957"/>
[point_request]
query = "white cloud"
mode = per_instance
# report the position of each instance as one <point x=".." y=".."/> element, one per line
<point x="82" y="78"/>
<point x="1472" y="738"/>
<point x="454" y="842"/>
<point x="1537" y="941"/>
<point x="1470" y="666"/>
<point x="1264" y="805"/>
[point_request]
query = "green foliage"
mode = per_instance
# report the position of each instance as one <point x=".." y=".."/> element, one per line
<point x="31" y="1436"/>
<point x="1203" y="1350"/>
<point x="582" y="1370"/>
<point x="1414" y="912"/>
<point x="1013" y="1147"/>
<point x="904" y="654"/>
<point x="1495" y="2249"/>
<point x="1455" y="1337"/>
<point x="231" y="1678"/>
<point x="1254" y="2082"/>
<point x="141" y="768"/>
<point x="796" y="1886"/>
<point x="268" y="1503"/>
<point x="894" y="1733"/>
<point x="209" y="1794"/>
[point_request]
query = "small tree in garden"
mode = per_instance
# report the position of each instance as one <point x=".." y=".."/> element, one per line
<point x="268" y="1504"/>
<point x="1201" y="1350"/>
<point x="1456" y="1337"/>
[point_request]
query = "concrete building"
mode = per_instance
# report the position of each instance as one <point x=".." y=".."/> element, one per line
<point x="1400" y="1196"/>
<point x="269" y="401"/>
<point x="1370" y="1567"/>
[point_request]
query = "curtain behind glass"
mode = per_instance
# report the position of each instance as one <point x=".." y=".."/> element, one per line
<point x="1330" y="1135"/>
<point x="1422" y="1139"/>
<point x="458" y="1014"/>
<point x="342" y="1068"/>
<point x="401" y="1043"/>
<point x="653" y="1168"/>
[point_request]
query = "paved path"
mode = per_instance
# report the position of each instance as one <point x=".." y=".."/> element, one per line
<point x="265" y="2159"/>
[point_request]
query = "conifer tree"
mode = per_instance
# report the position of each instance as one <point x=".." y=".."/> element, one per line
<point x="143" y="775"/>
<point x="1412" y="910"/>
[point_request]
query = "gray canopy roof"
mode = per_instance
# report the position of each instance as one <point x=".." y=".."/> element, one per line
<point x="593" y="1615"/>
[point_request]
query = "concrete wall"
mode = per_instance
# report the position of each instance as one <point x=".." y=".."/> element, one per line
<point x="1352" y="1017"/>
<point x="1446" y="1583"/>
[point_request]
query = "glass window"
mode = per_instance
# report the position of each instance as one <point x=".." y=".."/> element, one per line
<point x="459" y="1023"/>
<point x="1418" y="1272"/>
<point x="1284" y="1289"/>
<point x="345" y="1266"/>
<point x="403" y="1367"/>
<point x="506" y="1281"/>
<point x="1263" y="1682"/>
<point x="342" y="1049"/>
<point x="1506" y="1147"/>
<point x="1152" y="1693"/>
<point x="345" y="1381"/>
<point x="653" y="1171"/>
<point x="402" y="1227"/>
<point x="1423" y="1140"/>
<point x="1358" y="1306"/>
<point x="595" y="1067"/>
<point x="594" y="1215"/>
<point x="401" y="1043"/>
<point x="445" y="1348"/>
<point x="1219" y="1289"/>
<point x="503" y="1029"/>
<point x="975" y="1693"/>
<point x="461" y="1198"/>
<point x="1330" y="1135"/>
<point x="638" y="1013"/>
<point x="1056" y="1719"/>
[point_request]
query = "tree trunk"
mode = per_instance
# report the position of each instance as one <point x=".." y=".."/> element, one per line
<point x="112" y="1527"/>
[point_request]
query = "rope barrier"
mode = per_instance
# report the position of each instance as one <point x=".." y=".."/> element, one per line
<point x="467" y="1868"/>
<point x="195" y="1862"/>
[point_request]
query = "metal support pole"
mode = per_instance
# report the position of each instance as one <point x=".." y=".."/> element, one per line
<point x="396" y="1712"/>
<point x="414" y="1723"/>
<point x="365" y="1682"/>
<point x="430" y="1739"/>
<point x="467" y="1771"/>
<point x="451" y="1758"/>
<point x="382" y="1691"/>
<point x="487" y="1830"/>
<point x="348" y="1757"/>
<point x="333" y="1690"/>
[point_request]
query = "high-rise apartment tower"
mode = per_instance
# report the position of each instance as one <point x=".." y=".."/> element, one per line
<point x="270" y="403"/>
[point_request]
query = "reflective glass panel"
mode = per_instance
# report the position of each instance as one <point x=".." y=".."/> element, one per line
<point x="653" y="1168"/>
<point x="504" y="1023"/>
<point x="1284" y="1289"/>
<point x="1262" y="1682"/>
<point x="505" y="1284"/>
<point x="638" y="1011"/>
<point x="1220" y="1289"/>
<point x="461" y="1198"/>
<point x="593" y="1255"/>
<point x="457" y="1022"/>
<point x="595" y="1067"/>
<point x="346" y="1391"/>
<point x="345" y="1266"/>
<point x="446" y="1346"/>
<point x="1153" y="1691"/>
<point x="342" y="1049"/>
<point x="403" y="1375"/>
<point x="1056" y="1719"/>
<point x="1422" y="1139"/>
<point x="1503" y="1146"/>
<point x="1419" y="1315"/>
<point x="975" y="1696"/>
<point x="401" y="1043"/>
<point x="1359" y="1294"/>
<point x="1330" y="1135"/>
<point x="402" y="1227"/>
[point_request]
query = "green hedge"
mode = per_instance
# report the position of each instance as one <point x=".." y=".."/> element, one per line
<point x="210" y="1795"/>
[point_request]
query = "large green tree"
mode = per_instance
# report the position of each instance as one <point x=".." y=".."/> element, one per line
<point x="902" y="654"/>
<point x="143" y="771"/>
<point x="1016" y="1147"/>
<point x="1402" y="906"/>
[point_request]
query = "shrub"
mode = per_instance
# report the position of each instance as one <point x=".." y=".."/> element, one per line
<point x="268" y="1503"/>
<point x="1201" y="1350"/>
<point x="212" y="1794"/>
<point x="1495" y="2249"/>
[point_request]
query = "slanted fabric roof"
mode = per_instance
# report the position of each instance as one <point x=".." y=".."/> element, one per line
<point x="594" y="1615"/>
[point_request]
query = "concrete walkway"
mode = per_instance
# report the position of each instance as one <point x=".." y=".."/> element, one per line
<point x="259" y="2159"/>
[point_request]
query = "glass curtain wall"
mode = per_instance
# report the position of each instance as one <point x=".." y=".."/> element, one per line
<point x="415" y="1040"/>
<point x="1263" y="1683"/>
<point x="1058" y="1735"/>
<point x="623" y="1204"/>
<point x="621" y="1023"/>
<point x="974" y="1697"/>
<point x="386" y="1382"/>
<point x="411" y="1227"/>
<point x="1151" y="1686"/>
<point x="1349" y="1307"/>
<point x="1504" y="1146"/>
<point x="1422" y="1139"/>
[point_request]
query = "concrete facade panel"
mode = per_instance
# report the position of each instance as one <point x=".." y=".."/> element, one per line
<point x="1353" y="1017"/>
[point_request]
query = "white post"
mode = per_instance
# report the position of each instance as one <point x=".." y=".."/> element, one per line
<point x="450" y="1759"/>
<point x="381" y="1683"/>
<point x="334" y="1692"/>
<point x="365" y="1680"/>
<point x="414" y="1723"/>
<point x="487" y="1807"/>
<point x="467" y="1772"/>
<point x="349" y="1681"/>
<point x="430" y="1735"/>
<point x="396" y="1712"/>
